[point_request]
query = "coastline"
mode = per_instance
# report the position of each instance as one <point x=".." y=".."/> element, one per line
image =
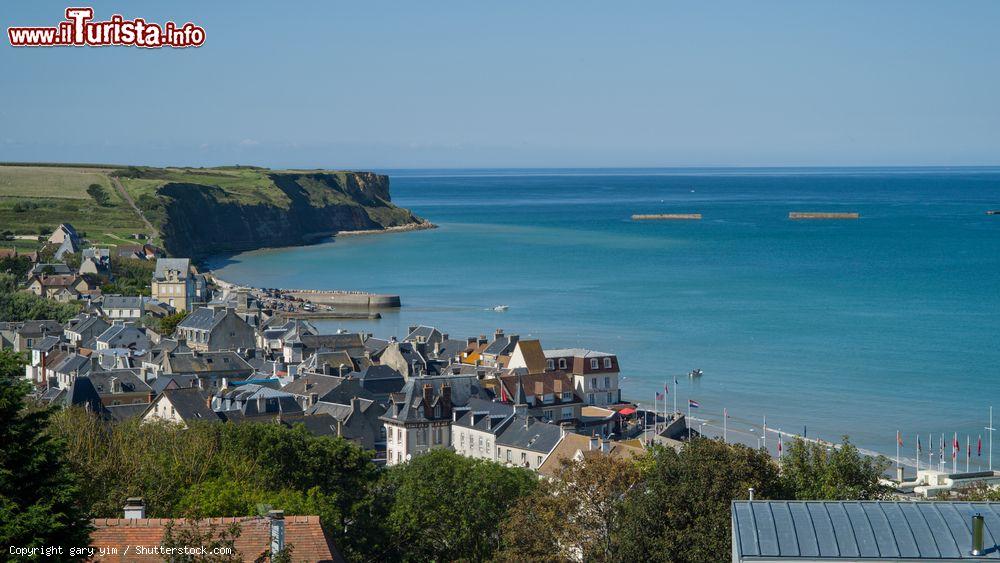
<point x="422" y="226"/>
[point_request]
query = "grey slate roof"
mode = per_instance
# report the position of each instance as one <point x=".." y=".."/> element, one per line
<point x="122" y="302"/>
<point x="57" y="268"/>
<point x="183" y="381"/>
<point x="203" y="318"/>
<point x="191" y="404"/>
<point x="529" y="433"/>
<point x="859" y="530"/>
<point x="182" y="265"/>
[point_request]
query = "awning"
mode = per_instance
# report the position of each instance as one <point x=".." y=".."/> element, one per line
<point x="626" y="411"/>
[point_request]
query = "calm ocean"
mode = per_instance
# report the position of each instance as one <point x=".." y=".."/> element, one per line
<point x="844" y="327"/>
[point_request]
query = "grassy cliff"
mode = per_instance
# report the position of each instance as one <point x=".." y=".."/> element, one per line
<point x="196" y="211"/>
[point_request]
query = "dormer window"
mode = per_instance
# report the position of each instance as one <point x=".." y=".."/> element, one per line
<point x="607" y="363"/>
<point x="562" y="363"/>
<point x="550" y="365"/>
<point x="593" y="363"/>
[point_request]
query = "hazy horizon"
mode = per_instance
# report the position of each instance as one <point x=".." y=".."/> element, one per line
<point x="523" y="85"/>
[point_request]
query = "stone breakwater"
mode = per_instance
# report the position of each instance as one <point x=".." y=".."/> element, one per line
<point x="421" y="226"/>
<point x="333" y="298"/>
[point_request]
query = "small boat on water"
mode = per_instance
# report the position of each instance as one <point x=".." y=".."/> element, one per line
<point x="695" y="373"/>
<point x="501" y="308"/>
<point x="993" y="212"/>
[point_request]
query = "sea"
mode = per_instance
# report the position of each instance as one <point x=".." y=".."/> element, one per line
<point x="827" y="328"/>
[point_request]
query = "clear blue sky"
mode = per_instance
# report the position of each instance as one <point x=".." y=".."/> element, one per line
<point x="477" y="84"/>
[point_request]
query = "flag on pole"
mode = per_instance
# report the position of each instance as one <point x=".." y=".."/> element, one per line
<point x="899" y="439"/>
<point x="979" y="448"/>
<point x="919" y="449"/>
<point x="779" y="445"/>
<point x="954" y="447"/>
<point x="693" y="404"/>
<point x="968" y="448"/>
<point x="666" y="389"/>
<point x="659" y="396"/>
<point x="725" y="413"/>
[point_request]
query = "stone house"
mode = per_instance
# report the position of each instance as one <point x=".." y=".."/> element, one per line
<point x="208" y="329"/>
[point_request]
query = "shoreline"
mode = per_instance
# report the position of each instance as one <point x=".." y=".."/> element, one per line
<point x="423" y="226"/>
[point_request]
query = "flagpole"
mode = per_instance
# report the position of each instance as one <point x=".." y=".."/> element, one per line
<point x="990" y="428"/>
<point x="675" y="396"/>
<point x="954" y="454"/>
<point x="725" y="426"/>
<point x="930" y="451"/>
<point x="968" y="451"/>
<point x="689" y="419"/>
<point x="897" y="449"/>
<point x="764" y="432"/>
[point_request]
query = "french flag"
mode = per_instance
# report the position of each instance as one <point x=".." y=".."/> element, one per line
<point x="693" y="404"/>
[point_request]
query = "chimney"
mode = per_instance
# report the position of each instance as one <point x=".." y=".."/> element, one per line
<point x="593" y="443"/>
<point x="428" y="395"/>
<point x="277" y="519"/>
<point x="134" y="508"/>
<point x="557" y="387"/>
<point x="444" y="336"/>
<point x="498" y="334"/>
<point x="327" y="370"/>
<point x="539" y="391"/>
<point x="482" y="339"/>
<point x="208" y="402"/>
<point x="313" y="398"/>
<point x="470" y="341"/>
<point x="445" y="400"/>
<point x="340" y="369"/>
<point x="356" y="405"/>
<point x="751" y="493"/>
<point x="150" y="396"/>
<point x="437" y="348"/>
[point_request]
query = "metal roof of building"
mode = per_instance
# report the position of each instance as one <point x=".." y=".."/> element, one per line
<point x="860" y="530"/>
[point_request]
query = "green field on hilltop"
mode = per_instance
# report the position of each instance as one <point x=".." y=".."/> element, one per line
<point x="192" y="211"/>
<point x="35" y="199"/>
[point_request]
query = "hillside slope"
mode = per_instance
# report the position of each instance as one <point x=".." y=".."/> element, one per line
<point x="199" y="212"/>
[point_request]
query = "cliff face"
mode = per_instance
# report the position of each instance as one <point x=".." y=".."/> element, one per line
<point x="202" y="220"/>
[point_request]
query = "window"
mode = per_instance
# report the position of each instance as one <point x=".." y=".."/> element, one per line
<point x="590" y="398"/>
<point x="593" y="363"/>
<point x="524" y="458"/>
<point x="611" y="397"/>
<point x="461" y="439"/>
<point x="607" y="363"/>
<point x="547" y="414"/>
<point x="562" y="363"/>
<point x="508" y="455"/>
<point x="607" y="382"/>
<point x="567" y="412"/>
<point x="593" y="382"/>
<point x="480" y="444"/>
<point x="567" y="396"/>
<point x="539" y="462"/>
<point x="550" y="365"/>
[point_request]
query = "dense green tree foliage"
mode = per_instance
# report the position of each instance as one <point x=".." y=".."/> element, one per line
<point x="681" y="513"/>
<point x="39" y="494"/>
<point x="446" y="507"/>
<point x="812" y="471"/>
<point x="218" y="469"/>
<point x="25" y="306"/>
<point x="130" y="276"/>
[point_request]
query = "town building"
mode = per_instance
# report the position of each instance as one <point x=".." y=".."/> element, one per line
<point x="853" y="531"/>
<point x="595" y="374"/>
<point x="209" y="329"/>
<point x="123" y="307"/>
<point x="175" y="284"/>
<point x="549" y="396"/>
<point x="419" y="417"/>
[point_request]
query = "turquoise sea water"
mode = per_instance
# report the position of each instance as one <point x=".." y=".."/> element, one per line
<point x="847" y="327"/>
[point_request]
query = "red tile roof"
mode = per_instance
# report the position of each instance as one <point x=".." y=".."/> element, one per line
<point x="302" y="533"/>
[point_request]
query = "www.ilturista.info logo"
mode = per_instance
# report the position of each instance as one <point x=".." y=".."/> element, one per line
<point x="78" y="31"/>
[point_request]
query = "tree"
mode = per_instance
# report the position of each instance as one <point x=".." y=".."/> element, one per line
<point x="580" y="512"/>
<point x="97" y="192"/>
<point x="169" y="323"/>
<point x="26" y="306"/>
<point x="812" y="471"/>
<point x="38" y="492"/>
<point x="681" y="513"/>
<point x="448" y="507"/>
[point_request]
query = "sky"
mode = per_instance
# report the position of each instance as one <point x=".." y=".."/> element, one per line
<point x="440" y="84"/>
